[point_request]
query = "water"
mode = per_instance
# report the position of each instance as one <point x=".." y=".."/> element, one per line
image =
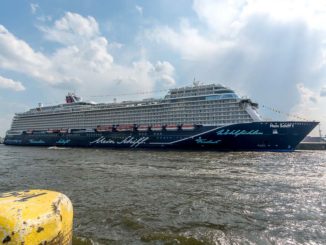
<point x="179" y="197"/>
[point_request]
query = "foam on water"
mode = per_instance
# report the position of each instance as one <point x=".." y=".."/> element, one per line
<point x="179" y="197"/>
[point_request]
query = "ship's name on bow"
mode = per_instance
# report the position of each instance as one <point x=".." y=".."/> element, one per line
<point x="281" y="125"/>
<point x="239" y="132"/>
<point x="133" y="142"/>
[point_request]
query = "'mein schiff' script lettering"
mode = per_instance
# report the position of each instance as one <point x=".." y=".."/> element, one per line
<point x="238" y="132"/>
<point x="133" y="142"/>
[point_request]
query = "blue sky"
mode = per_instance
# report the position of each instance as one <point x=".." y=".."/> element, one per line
<point x="271" y="51"/>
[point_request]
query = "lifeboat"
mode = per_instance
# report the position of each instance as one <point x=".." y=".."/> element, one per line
<point x="171" y="127"/>
<point x="53" y="131"/>
<point x="126" y="127"/>
<point x="63" y="130"/>
<point x="188" y="127"/>
<point x="156" y="127"/>
<point x="104" y="128"/>
<point x="142" y="128"/>
<point x="29" y="131"/>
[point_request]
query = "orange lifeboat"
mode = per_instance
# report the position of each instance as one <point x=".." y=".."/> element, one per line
<point x="53" y="131"/>
<point x="104" y="128"/>
<point x="125" y="127"/>
<point x="171" y="127"/>
<point x="156" y="127"/>
<point x="63" y="130"/>
<point x="188" y="127"/>
<point x="142" y="128"/>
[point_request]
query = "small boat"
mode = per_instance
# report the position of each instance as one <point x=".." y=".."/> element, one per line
<point x="188" y="127"/>
<point x="63" y="130"/>
<point x="171" y="127"/>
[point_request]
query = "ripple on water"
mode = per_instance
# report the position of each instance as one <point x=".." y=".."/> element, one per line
<point x="179" y="197"/>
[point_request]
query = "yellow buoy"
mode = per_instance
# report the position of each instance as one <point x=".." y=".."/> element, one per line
<point x="35" y="217"/>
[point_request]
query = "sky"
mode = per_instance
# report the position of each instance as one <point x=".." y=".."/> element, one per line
<point x="273" y="52"/>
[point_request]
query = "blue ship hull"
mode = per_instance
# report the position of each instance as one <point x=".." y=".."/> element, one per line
<point x="255" y="136"/>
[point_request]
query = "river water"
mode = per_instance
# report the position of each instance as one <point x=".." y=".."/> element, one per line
<point x="179" y="197"/>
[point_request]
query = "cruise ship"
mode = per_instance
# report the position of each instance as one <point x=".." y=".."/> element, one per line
<point x="206" y="117"/>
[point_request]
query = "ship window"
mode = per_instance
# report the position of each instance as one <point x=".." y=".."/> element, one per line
<point x="275" y="131"/>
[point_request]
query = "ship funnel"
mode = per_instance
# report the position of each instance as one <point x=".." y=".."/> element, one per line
<point x="72" y="98"/>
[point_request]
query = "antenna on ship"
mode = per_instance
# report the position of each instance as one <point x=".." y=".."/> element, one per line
<point x="195" y="83"/>
<point x="40" y="105"/>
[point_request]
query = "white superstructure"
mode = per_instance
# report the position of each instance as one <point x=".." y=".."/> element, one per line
<point x="199" y="104"/>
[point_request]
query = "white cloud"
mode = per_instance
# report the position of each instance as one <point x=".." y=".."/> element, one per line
<point x="10" y="84"/>
<point x="34" y="7"/>
<point x="83" y="61"/>
<point x="254" y="46"/>
<point x="307" y="96"/>
<point x="225" y="16"/>
<point x="310" y="12"/>
<point x="71" y="29"/>
<point x="221" y="16"/>
<point x="187" y="40"/>
<point x="89" y="56"/>
<point x="85" y="56"/>
<point x="227" y="20"/>
<point x="139" y="9"/>
<point x="164" y="72"/>
<point x="17" y="55"/>
<point x="310" y="105"/>
<point x="323" y="92"/>
<point x="44" y="18"/>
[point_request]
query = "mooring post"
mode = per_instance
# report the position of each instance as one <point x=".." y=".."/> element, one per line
<point x="34" y="217"/>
